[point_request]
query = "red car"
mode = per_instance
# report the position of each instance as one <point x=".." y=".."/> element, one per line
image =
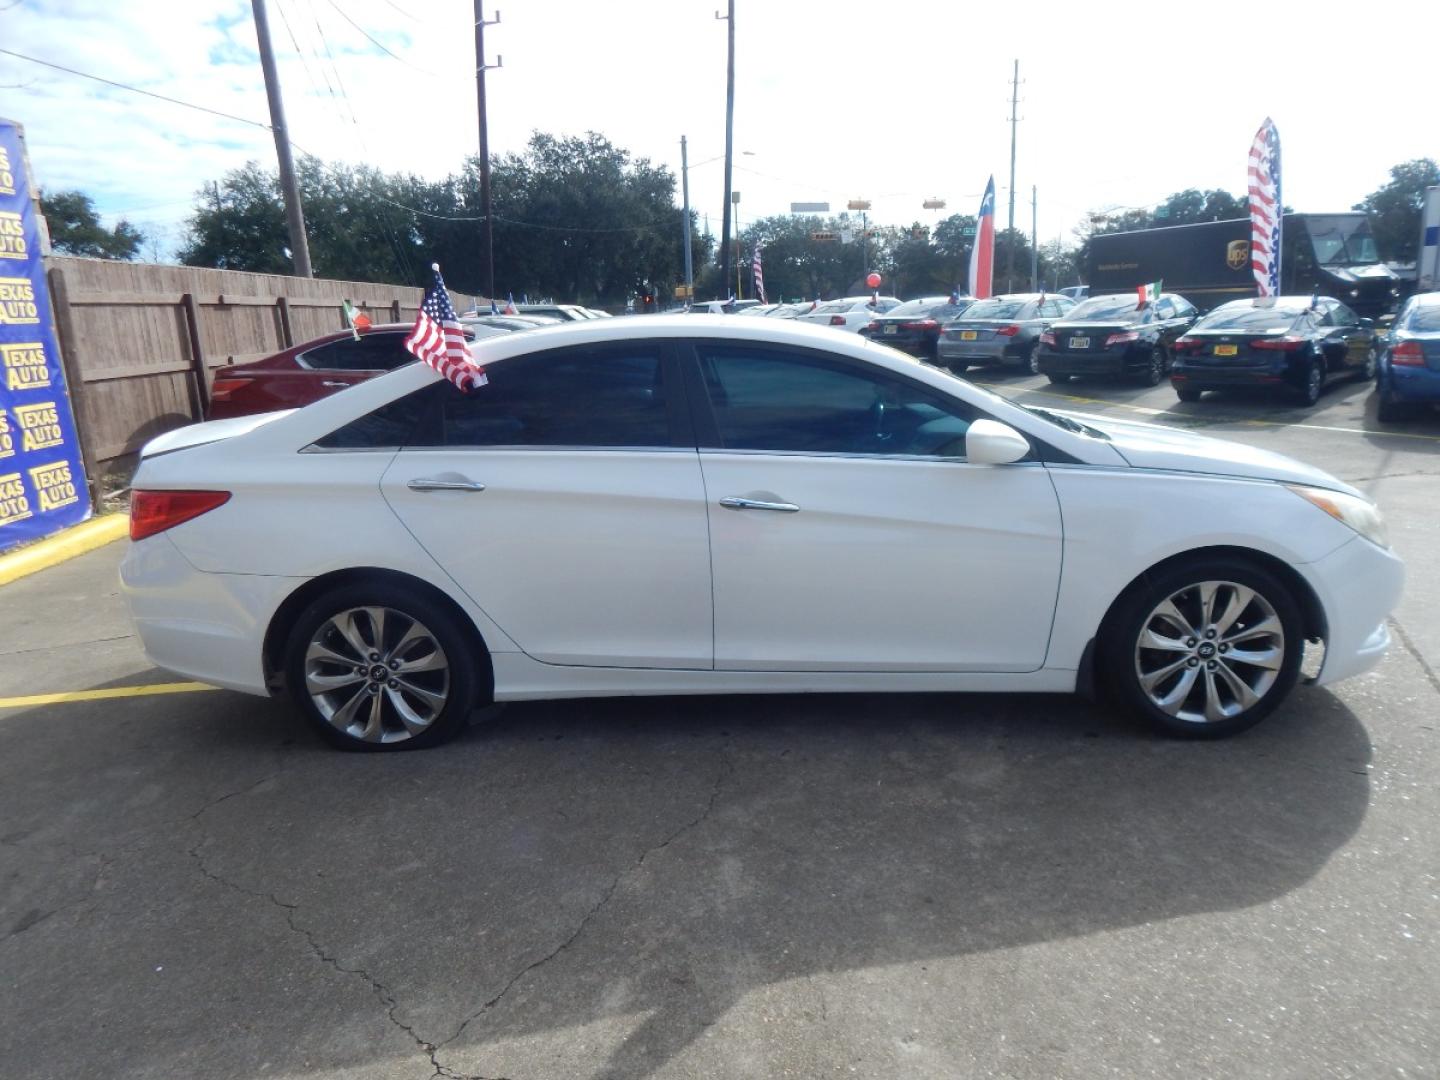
<point x="319" y="368"/>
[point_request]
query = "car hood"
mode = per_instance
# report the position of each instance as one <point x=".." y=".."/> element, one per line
<point x="1151" y="446"/>
<point x="208" y="432"/>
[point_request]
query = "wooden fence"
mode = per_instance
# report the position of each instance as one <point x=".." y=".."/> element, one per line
<point x="141" y="342"/>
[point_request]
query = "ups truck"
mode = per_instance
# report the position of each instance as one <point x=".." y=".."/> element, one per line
<point x="1209" y="263"/>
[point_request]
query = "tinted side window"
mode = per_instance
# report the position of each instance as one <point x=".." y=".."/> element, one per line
<point x="782" y="402"/>
<point x="1341" y="315"/>
<point x="373" y="352"/>
<point x="1165" y="308"/>
<point x="389" y="427"/>
<point x="572" y="397"/>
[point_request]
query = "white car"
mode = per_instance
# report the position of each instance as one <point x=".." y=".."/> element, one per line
<point x="702" y="505"/>
<point x="851" y="313"/>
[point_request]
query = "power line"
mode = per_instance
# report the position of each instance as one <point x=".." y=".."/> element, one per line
<point x="377" y="44"/>
<point x="135" y="89"/>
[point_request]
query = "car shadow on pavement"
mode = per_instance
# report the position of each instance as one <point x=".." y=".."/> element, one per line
<point x="651" y="862"/>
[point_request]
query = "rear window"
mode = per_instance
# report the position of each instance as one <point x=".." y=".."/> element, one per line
<point x="1424" y="319"/>
<point x="916" y="307"/>
<point x="995" y="309"/>
<point x="834" y="307"/>
<point x="1124" y="306"/>
<point x="1250" y="318"/>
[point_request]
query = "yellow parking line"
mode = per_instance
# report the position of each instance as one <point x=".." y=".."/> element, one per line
<point x="100" y="695"/>
<point x="1148" y="411"/>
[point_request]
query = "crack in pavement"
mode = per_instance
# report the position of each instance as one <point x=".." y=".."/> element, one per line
<point x="233" y="794"/>
<point x="599" y="905"/>
<point x="1414" y="651"/>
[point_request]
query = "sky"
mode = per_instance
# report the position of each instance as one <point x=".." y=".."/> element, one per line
<point x="1120" y="103"/>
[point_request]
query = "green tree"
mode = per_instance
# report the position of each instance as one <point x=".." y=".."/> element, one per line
<point x="75" y="228"/>
<point x="1394" y="208"/>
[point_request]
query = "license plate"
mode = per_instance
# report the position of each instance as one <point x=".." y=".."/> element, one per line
<point x="1079" y="343"/>
<point x="890" y="328"/>
<point x="968" y="335"/>
<point x="1227" y="350"/>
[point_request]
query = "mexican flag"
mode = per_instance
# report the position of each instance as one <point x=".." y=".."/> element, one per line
<point x="357" y="320"/>
<point x="1149" y="293"/>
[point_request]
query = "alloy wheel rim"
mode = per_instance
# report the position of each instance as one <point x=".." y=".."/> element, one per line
<point x="1371" y="361"/>
<point x="1210" y="651"/>
<point x="1312" y="383"/>
<point x="377" y="674"/>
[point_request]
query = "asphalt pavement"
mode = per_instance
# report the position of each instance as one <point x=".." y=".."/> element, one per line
<point x="192" y="885"/>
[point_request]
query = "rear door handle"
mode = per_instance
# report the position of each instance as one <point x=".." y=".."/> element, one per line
<point x="332" y="384"/>
<point x="424" y="484"/>
<point x="734" y="502"/>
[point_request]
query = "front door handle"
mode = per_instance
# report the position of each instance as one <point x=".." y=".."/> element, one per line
<point x="733" y="502"/>
<point x="423" y="484"/>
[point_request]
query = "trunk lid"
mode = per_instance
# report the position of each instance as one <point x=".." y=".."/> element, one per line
<point x="209" y="432"/>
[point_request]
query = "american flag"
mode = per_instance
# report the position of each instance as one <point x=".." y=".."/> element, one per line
<point x="759" y="273"/>
<point x="1266" y="209"/>
<point x="439" y="339"/>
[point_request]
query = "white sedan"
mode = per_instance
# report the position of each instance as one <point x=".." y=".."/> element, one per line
<point x="702" y="505"/>
<point x="851" y="313"/>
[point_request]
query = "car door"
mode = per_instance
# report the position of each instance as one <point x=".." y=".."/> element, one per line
<point x="329" y="368"/>
<point x="1357" y="339"/>
<point x="565" y="498"/>
<point x="848" y="533"/>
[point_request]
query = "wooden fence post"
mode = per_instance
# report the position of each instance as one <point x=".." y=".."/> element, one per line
<point x="287" y="333"/>
<point x="201" y="385"/>
<point x="74" y="377"/>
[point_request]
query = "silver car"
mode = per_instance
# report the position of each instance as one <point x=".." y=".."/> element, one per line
<point x="1001" y="331"/>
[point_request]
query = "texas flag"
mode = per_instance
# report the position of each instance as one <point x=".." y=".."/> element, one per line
<point x="510" y="308"/>
<point x="982" y="255"/>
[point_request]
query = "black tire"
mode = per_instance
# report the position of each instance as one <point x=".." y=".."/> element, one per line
<point x="1187" y="393"/>
<point x="1388" y="410"/>
<point x="1372" y="363"/>
<point x="1314" y="382"/>
<point x="1121" y="657"/>
<point x="443" y="628"/>
<point x="1031" y="363"/>
<point x="1155" y="367"/>
<point x="1056" y="378"/>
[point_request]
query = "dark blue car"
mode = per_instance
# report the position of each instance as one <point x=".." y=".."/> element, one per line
<point x="1408" y="378"/>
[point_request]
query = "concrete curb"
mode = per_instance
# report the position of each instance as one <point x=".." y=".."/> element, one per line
<point x="87" y="536"/>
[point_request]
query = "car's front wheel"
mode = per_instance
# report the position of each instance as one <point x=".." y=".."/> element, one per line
<point x="1156" y="367"/>
<point x="1205" y="649"/>
<point x="374" y="666"/>
<point x="1314" y="382"/>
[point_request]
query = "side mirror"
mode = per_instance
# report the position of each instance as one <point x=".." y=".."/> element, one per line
<point x="1367" y="324"/>
<point x="989" y="442"/>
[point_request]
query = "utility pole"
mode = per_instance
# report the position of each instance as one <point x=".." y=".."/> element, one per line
<point x="729" y="19"/>
<point x="487" y="257"/>
<point x="1010" y="231"/>
<point x="294" y="215"/>
<point x="1034" y="239"/>
<point x="685" y="188"/>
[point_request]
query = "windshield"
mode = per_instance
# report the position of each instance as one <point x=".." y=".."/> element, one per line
<point x="1249" y="319"/>
<point x="995" y="309"/>
<point x="1342" y="240"/>
<point x="917" y="307"/>
<point x="1123" y="306"/>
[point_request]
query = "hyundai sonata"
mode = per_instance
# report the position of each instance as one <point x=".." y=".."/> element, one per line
<point x="702" y="505"/>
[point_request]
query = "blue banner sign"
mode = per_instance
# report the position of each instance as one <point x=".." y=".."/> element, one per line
<point x="42" y="478"/>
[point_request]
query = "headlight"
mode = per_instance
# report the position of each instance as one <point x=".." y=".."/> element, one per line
<point x="1360" y="514"/>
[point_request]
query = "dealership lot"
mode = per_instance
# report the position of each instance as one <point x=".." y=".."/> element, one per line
<point x="190" y="884"/>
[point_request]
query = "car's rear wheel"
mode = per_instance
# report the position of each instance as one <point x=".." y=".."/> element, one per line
<point x="1057" y="378"/>
<point x="1155" y="368"/>
<point x="1314" y="382"/>
<point x="1205" y="649"/>
<point x="1032" y="361"/>
<point x="377" y="667"/>
<point x="1186" y="393"/>
<point x="1372" y="361"/>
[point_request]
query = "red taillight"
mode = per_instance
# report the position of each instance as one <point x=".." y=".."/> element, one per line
<point x="223" y="387"/>
<point x="1122" y="338"/>
<point x="1279" y="344"/>
<point x="153" y="512"/>
<point x="923" y="324"/>
<point x="874" y="328"/>
<point x="1408" y="354"/>
<point x="837" y="320"/>
<point x="1007" y="331"/>
<point x="1186" y="344"/>
<point x="1047" y="338"/>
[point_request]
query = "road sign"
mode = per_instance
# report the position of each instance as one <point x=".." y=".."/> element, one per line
<point x="934" y="204"/>
<point x="684" y="292"/>
<point x="809" y="208"/>
<point x="858" y="204"/>
<point x="734" y="196"/>
<point x="969" y="230"/>
<point x="822" y="236"/>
